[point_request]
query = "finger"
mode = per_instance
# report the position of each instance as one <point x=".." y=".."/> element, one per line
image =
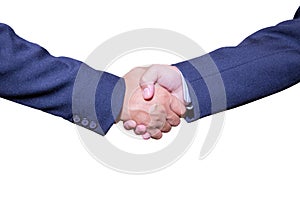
<point x="158" y="135"/>
<point x="140" y="129"/>
<point x="153" y="131"/>
<point x="157" y="117"/>
<point x="146" y="136"/>
<point x="177" y="106"/>
<point x="167" y="128"/>
<point x="147" y="82"/>
<point x="148" y="91"/>
<point x="173" y="119"/>
<point x="129" y="125"/>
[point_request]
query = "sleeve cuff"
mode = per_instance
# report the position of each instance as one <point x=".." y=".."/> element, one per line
<point x="205" y="87"/>
<point x="97" y="99"/>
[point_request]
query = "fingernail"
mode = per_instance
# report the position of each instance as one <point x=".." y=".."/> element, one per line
<point x="141" y="129"/>
<point x="146" y="136"/>
<point x="146" y="92"/>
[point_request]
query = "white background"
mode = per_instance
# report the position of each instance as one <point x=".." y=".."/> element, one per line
<point x="41" y="156"/>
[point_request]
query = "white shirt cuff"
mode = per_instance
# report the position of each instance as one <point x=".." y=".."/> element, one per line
<point x="186" y="94"/>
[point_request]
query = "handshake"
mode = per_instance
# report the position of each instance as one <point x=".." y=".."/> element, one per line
<point x="154" y="100"/>
<point x="155" y="97"/>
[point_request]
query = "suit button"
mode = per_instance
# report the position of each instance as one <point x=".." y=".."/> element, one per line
<point x="76" y="119"/>
<point x="85" y="122"/>
<point x="93" y="125"/>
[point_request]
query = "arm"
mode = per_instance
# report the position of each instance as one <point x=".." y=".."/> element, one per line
<point x="266" y="62"/>
<point x="70" y="89"/>
<point x="32" y="77"/>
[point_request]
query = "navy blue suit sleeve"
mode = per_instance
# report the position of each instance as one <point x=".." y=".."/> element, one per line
<point x="266" y="62"/>
<point x="61" y="86"/>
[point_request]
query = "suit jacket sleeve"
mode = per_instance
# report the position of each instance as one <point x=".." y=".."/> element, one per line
<point x="61" y="86"/>
<point x="266" y="62"/>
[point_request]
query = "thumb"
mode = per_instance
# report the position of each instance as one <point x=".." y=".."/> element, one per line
<point x="148" y="91"/>
<point x="147" y="82"/>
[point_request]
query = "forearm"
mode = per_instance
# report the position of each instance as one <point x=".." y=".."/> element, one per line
<point x="32" y="77"/>
<point x="264" y="63"/>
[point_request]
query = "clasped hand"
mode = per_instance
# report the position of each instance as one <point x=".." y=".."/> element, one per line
<point x="153" y="101"/>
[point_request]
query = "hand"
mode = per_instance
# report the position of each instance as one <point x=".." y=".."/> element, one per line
<point x="165" y="75"/>
<point x="155" y="115"/>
